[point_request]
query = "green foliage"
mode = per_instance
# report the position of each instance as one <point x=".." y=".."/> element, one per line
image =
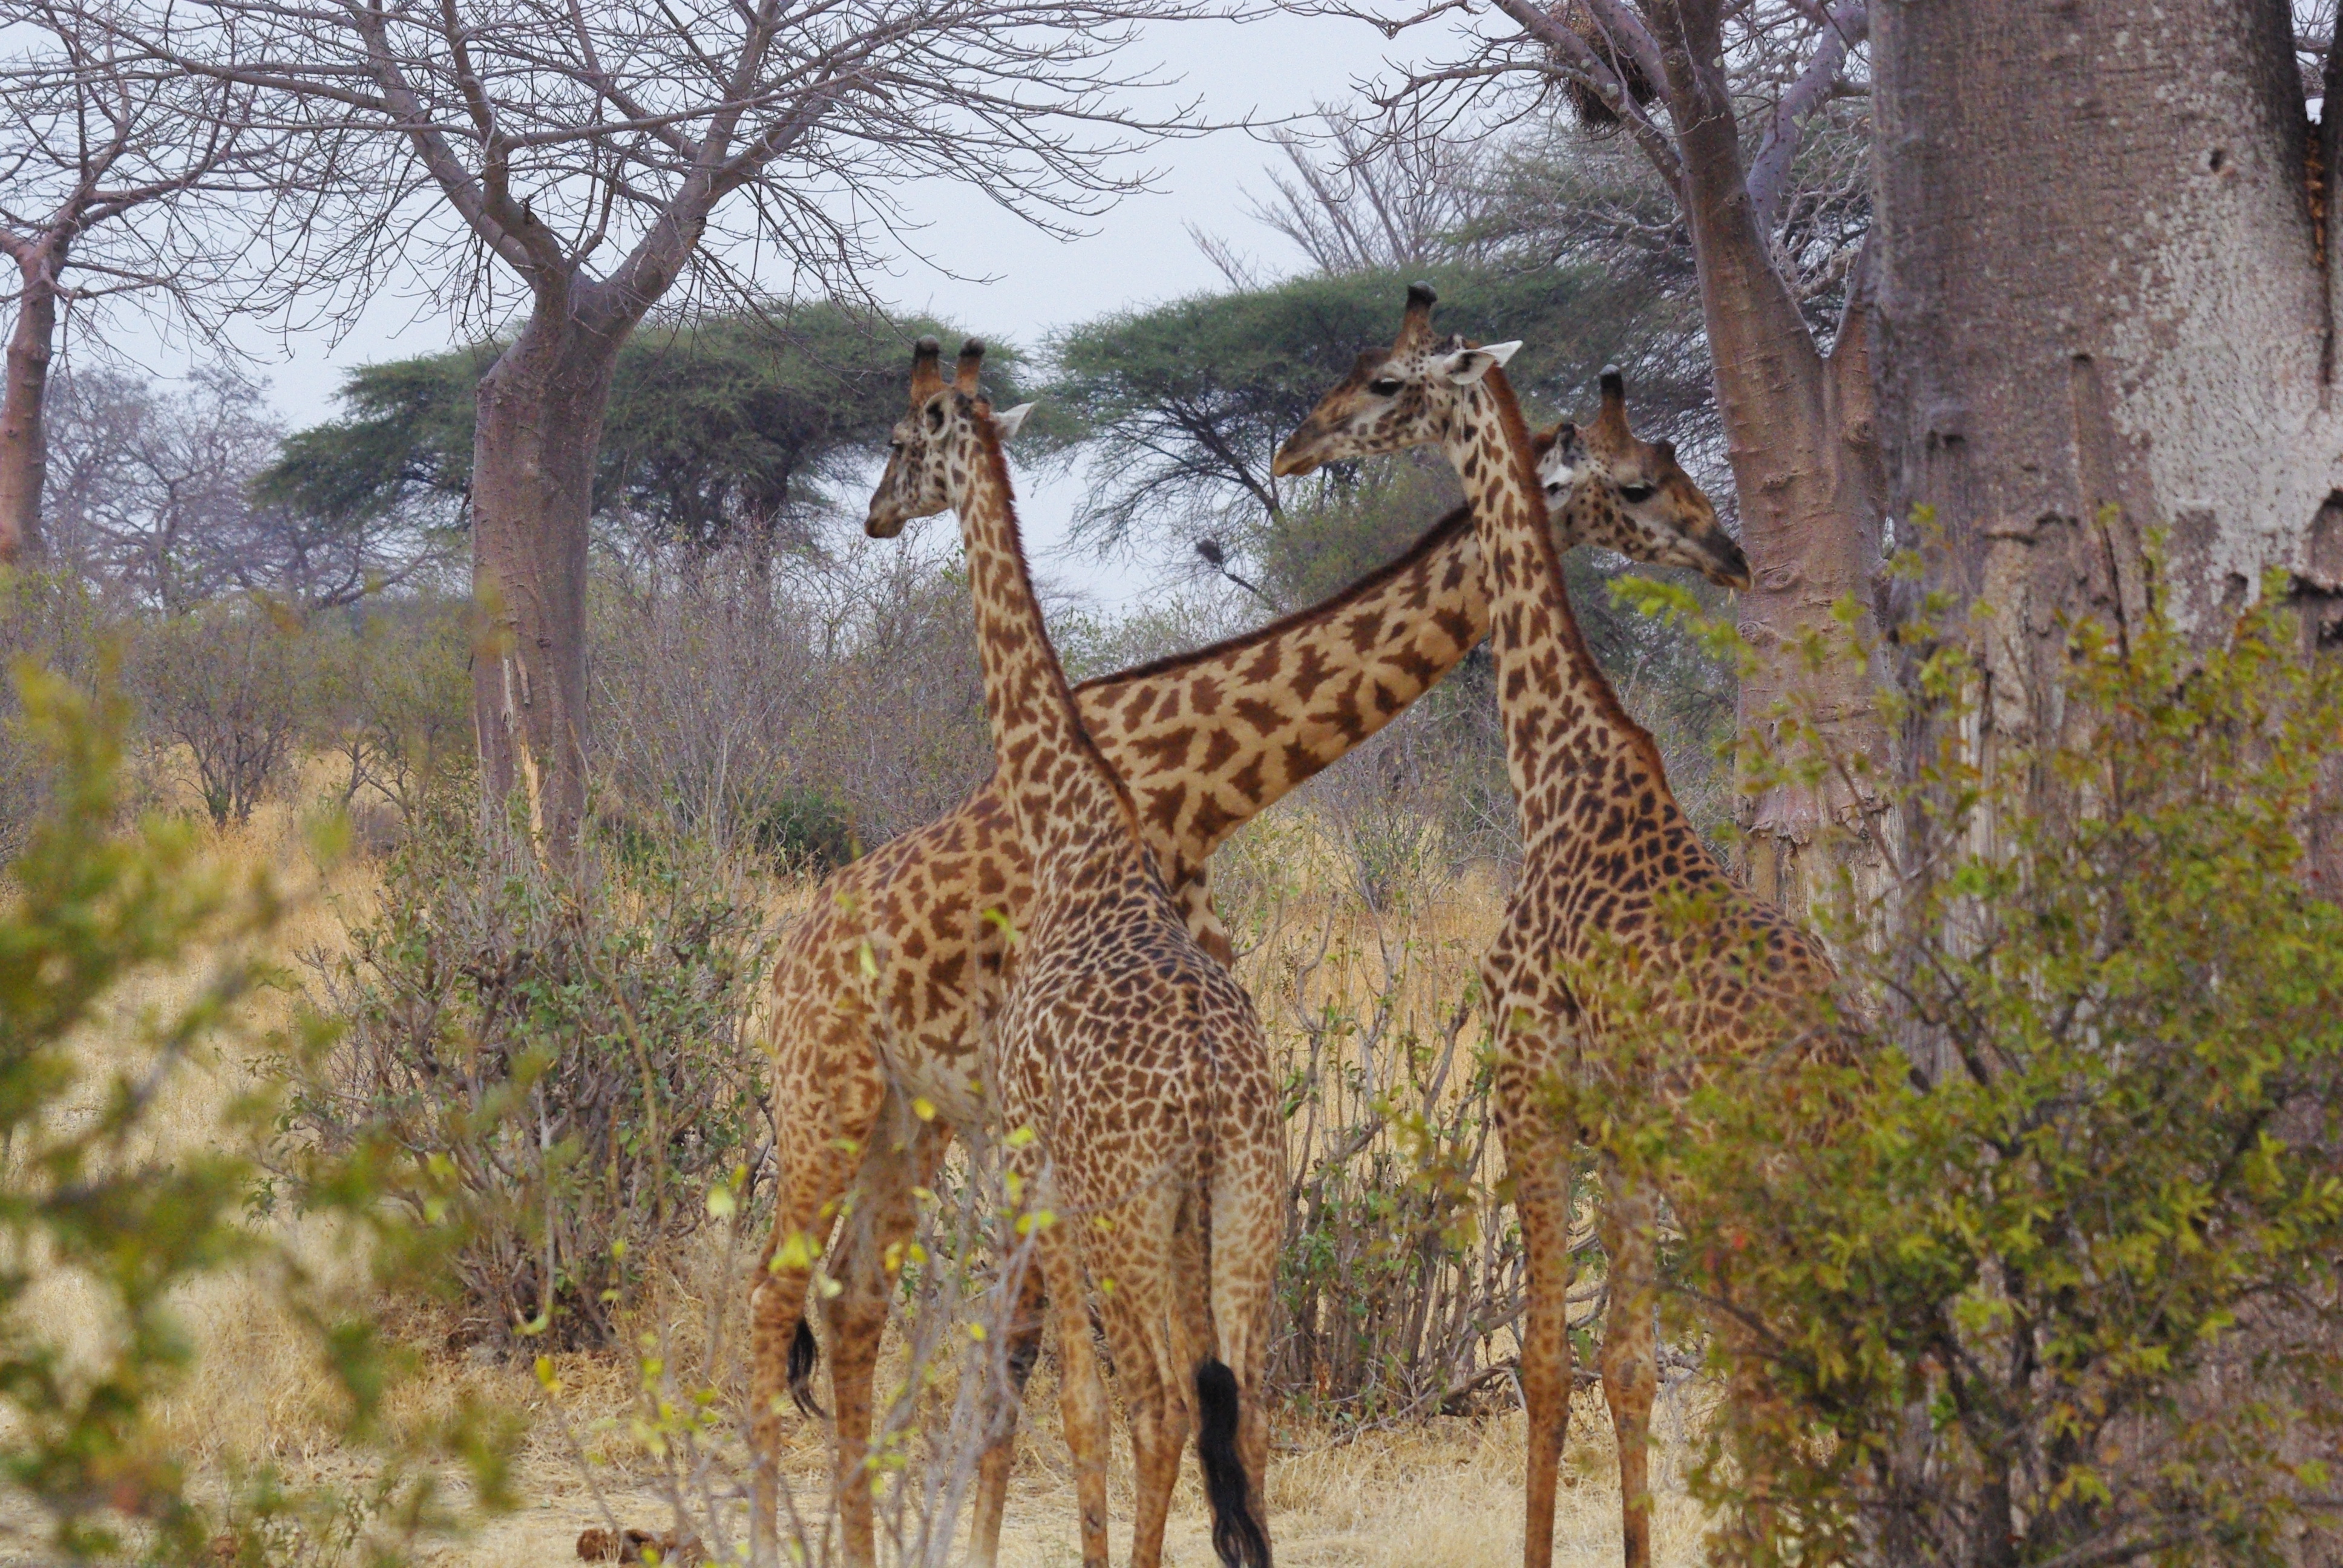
<point x="571" y="1061"/>
<point x="805" y="830"/>
<point x="1184" y="403"/>
<point x="723" y="428"/>
<point x="2045" y="1273"/>
<point x="92" y="1211"/>
<point x="408" y="436"/>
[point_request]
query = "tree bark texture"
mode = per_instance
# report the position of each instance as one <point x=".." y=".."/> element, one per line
<point x="1800" y="428"/>
<point x="23" y="448"/>
<point x="2105" y="314"/>
<point x="540" y="421"/>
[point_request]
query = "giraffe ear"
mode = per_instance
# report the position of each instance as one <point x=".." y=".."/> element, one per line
<point x="1467" y="365"/>
<point x="1005" y="423"/>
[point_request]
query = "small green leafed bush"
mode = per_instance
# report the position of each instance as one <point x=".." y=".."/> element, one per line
<point x="2044" y="1270"/>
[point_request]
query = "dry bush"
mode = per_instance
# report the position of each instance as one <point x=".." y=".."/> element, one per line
<point x="570" y="1058"/>
<point x="230" y="683"/>
<point x="1400" y="1277"/>
<point x="838" y="700"/>
<point x="389" y="703"/>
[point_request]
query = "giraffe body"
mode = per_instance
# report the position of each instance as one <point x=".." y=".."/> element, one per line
<point x="1125" y="1056"/>
<point x="877" y="987"/>
<point x="1603" y="842"/>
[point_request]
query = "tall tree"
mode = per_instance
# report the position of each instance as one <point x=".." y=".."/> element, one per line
<point x="2108" y="303"/>
<point x="1184" y="405"/>
<point x="720" y="432"/>
<point x="1718" y="99"/>
<point x="119" y="179"/>
<point x="601" y="156"/>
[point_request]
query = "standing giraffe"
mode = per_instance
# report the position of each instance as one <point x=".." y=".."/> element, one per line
<point x="1602" y="842"/>
<point x="1131" y="1054"/>
<point x="872" y="1031"/>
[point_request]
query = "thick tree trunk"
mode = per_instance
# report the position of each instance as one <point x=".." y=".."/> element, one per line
<point x="24" y="446"/>
<point x="540" y="422"/>
<point x="2103" y="315"/>
<point x="1799" y="426"/>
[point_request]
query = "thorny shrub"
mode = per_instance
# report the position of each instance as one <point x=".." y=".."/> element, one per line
<point x="93" y="1212"/>
<point x="1400" y="1277"/>
<point x="2045" y="1272"/>
<point x="570" y="1054"/>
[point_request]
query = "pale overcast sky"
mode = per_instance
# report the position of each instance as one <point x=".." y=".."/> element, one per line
<point x="1137" y="254"/>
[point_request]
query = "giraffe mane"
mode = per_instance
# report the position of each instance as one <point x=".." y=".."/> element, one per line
<point x="1574" y="640"/>
<point x="988" y="446"/>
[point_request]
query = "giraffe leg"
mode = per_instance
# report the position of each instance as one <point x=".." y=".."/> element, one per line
<point x="902" y="1155"/>
<point x="1081" y="1389"/>
<point x="1157" y="1406"/>
<point x="1245" y="1228"/>
<point x="1537" y="1160"/>
<point x="1024" y="1346"/>
<point x="1630" y="1359"/>
<point x="817" y="1149"/>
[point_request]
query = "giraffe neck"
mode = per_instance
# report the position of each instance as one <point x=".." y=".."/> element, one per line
<point x="1207" y="739"/>
<point x="1065" y="798"/>
<point x="1564" y="725"/>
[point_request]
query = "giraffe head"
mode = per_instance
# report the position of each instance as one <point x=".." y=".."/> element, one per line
<point x="1633" y="498"/>
<point x="1602" y="486"/>
<point x="1393" y="398"/>
<point x="932" y="455"/>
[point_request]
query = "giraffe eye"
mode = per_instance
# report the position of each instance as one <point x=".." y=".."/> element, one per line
<point x="1385" y="386"/>
<point x="1638" y="493"/>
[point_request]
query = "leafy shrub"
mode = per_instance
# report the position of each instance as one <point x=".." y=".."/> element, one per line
<point x="571" y="1058"/>
<point x="805" y="830"/>
<point x="390" y="699"/>
<point x="2047" y="1274"/>
<point x="93" y="1212"/>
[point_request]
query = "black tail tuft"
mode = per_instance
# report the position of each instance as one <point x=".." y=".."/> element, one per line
<point x="805" y="1353"/>
<point x="1237" y="1534"/>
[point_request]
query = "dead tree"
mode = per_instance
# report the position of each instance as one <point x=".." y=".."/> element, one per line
<point x="1717" y="98"/>
<point x="601" y="157"/>
<point x="120" y="179"/>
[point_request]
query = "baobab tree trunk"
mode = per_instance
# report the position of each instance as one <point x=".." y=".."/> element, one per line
<point x="540" y="421"/>
<point x="23" y="448"/>
<point x="1799" y="427"/>
<point x="2106" y="312"/>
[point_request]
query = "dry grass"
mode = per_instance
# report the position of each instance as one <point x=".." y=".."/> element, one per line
<point x="1446" y="1494"/>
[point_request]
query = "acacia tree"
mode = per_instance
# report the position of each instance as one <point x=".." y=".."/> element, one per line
<point x="118" y="178"/>
<point x="602" y="156"/>
<point x="1719" y="99"/>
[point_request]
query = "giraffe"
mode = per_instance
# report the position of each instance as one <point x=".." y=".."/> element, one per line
<point x="872" y="1029"/>
<point x="1132" y="1053"/>
<point x="1603" y="843"/>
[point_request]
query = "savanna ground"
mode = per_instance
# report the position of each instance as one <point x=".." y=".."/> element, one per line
<point x="1437" y="1490"/>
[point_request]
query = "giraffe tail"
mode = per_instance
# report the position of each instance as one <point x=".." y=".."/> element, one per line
<point x="1237" y="1534"/>
<point x="805" y="1354"/>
